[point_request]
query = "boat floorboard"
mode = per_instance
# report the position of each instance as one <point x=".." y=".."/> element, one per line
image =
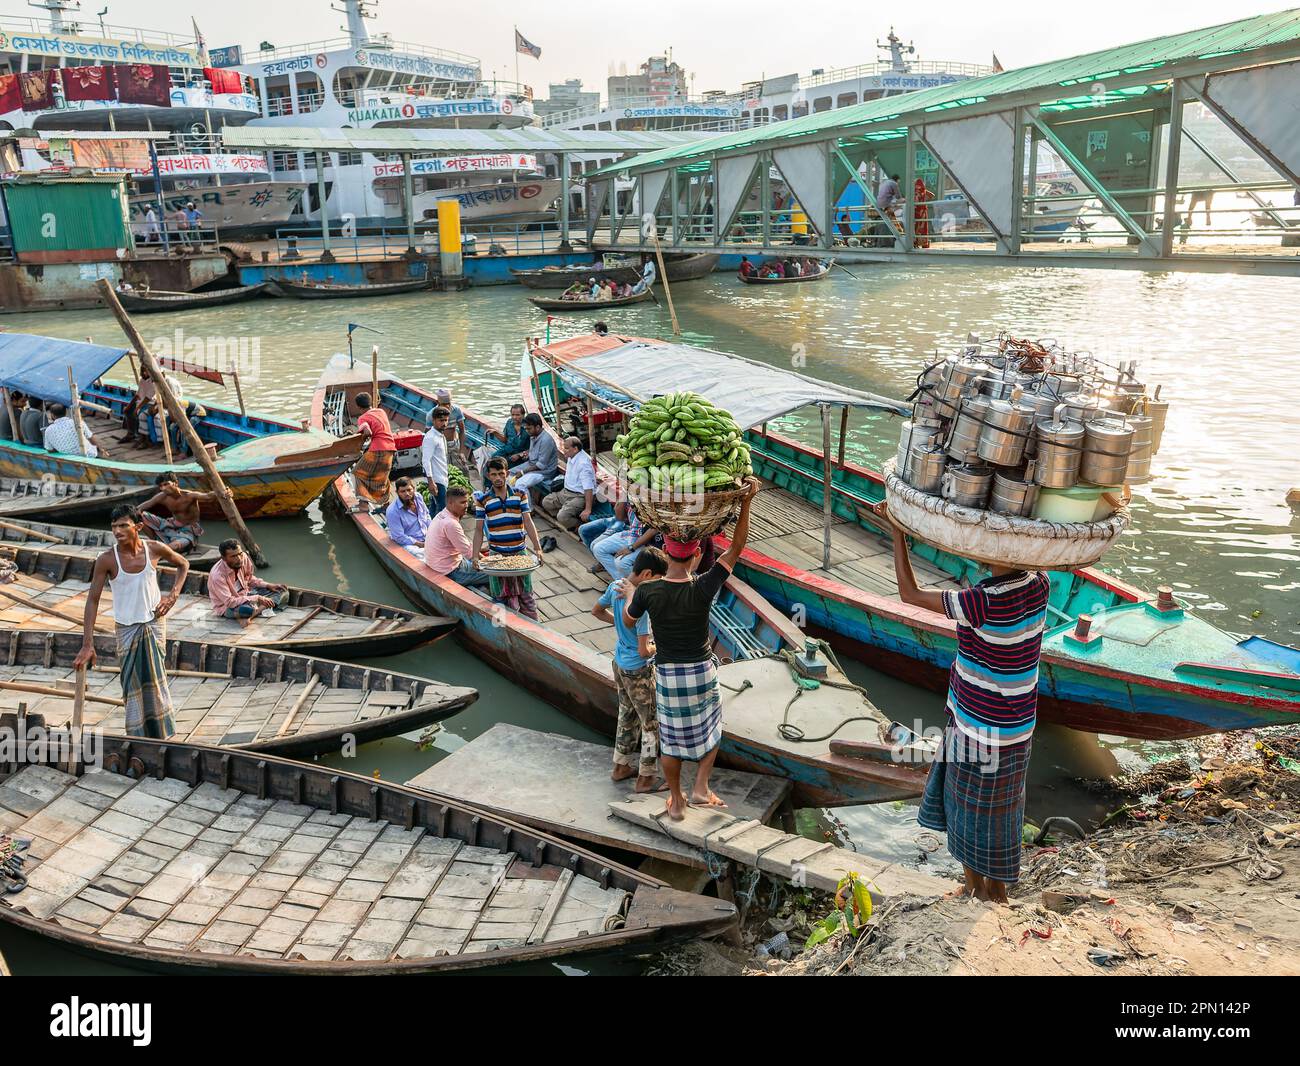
<point x="163" y="865"/>
<point x="562" y="785"/>
<point x="109" y="432"/>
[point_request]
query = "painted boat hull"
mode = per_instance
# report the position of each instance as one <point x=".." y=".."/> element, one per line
<point x="755" y="280"/>
<point x="346" y="292"/>
<point x="590" y="306"/>
<point x="146" y="304"/>
<point x="687" y="267"/>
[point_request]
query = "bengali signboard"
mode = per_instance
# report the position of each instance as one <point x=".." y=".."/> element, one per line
<point x="410" y="64"/>
<point x="460" y="164"/>
<point x="682" y="111"/>
<point x="230" y="55"/>
<point x="908" y="82"/>
<point x="359" y="116"/>
<point x="75" y="47"/>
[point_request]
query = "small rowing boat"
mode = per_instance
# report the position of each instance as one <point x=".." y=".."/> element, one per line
<point x="758" y="278"/>
<point x="565" y="658"/>
<point x="259" y="699"/>
<point x="329" y="290"/>
<point x="589" y="304"/>
<point x="84" y="541"/>
<point x="681" y="266"/>
<point x="149" y="301"/>
<point x="291" y="868"/>
<point x="75" y="500"/>
<point x="319" y="623"/>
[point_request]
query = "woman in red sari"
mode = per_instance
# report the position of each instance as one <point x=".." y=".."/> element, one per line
<point x="921" y="221"/>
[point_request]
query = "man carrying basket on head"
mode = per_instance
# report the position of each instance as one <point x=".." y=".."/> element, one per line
<point x="687" y="702"/>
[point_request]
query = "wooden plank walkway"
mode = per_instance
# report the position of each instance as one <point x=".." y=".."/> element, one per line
<point x="562" y="786"/>
<point x="747" y="841"/>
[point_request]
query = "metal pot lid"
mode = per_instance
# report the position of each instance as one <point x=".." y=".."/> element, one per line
<point x="1109" y="429"/>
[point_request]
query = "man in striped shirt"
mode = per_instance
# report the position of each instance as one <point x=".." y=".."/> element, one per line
<point x="505" y="521"/>
<point x="976" y="788"/>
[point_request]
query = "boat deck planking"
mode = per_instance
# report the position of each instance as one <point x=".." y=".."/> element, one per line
<point x="163" y="865"/>
<point x="84" y="542"/>
<point x="562" y="786"/>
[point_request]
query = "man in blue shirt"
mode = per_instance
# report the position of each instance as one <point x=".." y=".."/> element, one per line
<point x="408" y="518"/>
<point x="543" y="461"/>
<point x="634" y="676"/>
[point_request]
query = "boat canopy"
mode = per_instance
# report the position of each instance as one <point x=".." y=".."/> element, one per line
<point x="753" y="392"/>
<point x="38" y="366"/>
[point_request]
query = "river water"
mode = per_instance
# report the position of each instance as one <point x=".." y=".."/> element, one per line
<point x="1213" y="522"/>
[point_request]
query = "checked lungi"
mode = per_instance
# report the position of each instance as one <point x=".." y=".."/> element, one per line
<point x="689" y="709"/>
<point x="976" y="794"/>
<point x="143" y="674"/>
<point x="371" y="473"/>
<point x="170" y="531"/>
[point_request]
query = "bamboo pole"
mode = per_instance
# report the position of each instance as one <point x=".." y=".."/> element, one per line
<point x="374" y="376"/>
<point x="239" y="392"/>
<point x="37" y="534"/>
<point x="102" y="626"/>
<point x="74" y="395"/>
<point x="44" y="690"/>
<point x="663" y="274"/>
<point x="166" y="436"/>
<point x="12" y="416"/>
<point x="826" y="487"/>
<point x="178" y="415"/>
<point x="297" y="704"/>
<point x="844" y="431"/>
<point x="591" y="427"/>
<point x="78" y="709"/>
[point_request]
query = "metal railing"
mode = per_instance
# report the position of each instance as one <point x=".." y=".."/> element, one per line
<point x="178" y="238"/>
<point x="575" y="114"/>
<point x="339" y="44"/>
<point x="875" y="70"/>
<point x="24" y="24"/>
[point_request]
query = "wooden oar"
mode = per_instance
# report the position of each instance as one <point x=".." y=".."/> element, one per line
<point x="297" y="704"/>
<point x="103" y="627"/>
<point x="846" y="270"/>
<point x="46" y="690"/>
<point x="35" y="534"/>
<point x="78" y="707"/>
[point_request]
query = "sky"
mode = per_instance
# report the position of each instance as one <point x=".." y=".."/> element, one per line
<point x="723" y="45"/>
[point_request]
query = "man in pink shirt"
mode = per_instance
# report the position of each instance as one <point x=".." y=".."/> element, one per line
<point x="446" y="548"/>
<point x="235" y="592"/>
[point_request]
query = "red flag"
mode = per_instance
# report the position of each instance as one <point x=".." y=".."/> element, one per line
<point x="87" y="83"/>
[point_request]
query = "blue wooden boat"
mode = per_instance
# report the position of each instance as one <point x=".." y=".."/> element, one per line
<point x="1150" y="668"/>
<point x="271" y="466"/>
<point x="564" y="658"/>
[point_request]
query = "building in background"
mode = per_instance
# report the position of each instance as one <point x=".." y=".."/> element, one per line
<point x="566" y="96"/>
<point x="660" y="81"/>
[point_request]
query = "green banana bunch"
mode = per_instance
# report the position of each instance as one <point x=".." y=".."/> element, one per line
<point x="682" y="442"/>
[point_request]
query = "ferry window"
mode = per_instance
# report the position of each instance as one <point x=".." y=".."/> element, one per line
<point x="761" y="114"/>
<point x="311" y="93"/>
<point x="350" y="159"/>
<point x="799" y="110"/>
<point x="846" y="100"/>
<point x="822" y="103"/>
<point x="604" y="126"/>
<point x="780" y="113"/>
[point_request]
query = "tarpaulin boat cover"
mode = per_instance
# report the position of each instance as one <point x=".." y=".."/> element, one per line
<point x="38" y="366"/>
<point x="753" y="392"/>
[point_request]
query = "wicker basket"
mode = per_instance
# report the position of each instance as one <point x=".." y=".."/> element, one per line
<point x="683" y="515"/>
<point x="1004" y="540"/>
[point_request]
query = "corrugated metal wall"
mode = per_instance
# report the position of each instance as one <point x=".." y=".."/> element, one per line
<point x="66" y="222"/>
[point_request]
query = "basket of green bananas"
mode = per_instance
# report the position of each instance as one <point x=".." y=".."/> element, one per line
<point x="684" y="463"/>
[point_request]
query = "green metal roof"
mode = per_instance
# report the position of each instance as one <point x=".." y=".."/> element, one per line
<point x="1075" y="76"/>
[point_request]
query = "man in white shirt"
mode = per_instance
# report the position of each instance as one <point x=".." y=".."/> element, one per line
<point x="572" y="505"/>
<point x="61" y="434"/>
<point x="433" y="457"/>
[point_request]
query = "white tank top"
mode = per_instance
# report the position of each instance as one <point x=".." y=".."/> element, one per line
<point x="135" y="596"/>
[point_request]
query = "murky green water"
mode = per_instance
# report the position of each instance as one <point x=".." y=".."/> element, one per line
<point x="1213" y="522"/>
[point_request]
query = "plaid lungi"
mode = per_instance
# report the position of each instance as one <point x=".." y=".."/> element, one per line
<point x="144" y="680"/>
<point x="169" y="530"/>
<point x="371" y="473"/>
<point x="976" y="794"/>
<point x="689" y="709"/>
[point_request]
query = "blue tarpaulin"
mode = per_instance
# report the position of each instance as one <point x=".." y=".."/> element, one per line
<point x="38" y="366"/>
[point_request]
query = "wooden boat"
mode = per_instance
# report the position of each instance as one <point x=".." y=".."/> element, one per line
<point x="680" y="266"/>
<point x="22" y="496"/>
<point x="289" y="868"/>
<point x="84" y="541"/>
<point x="825" y="266"/>
<point x="260" y="699"/>
<point x="1150" y="671"/>
<point x="565" y="658"/>
<point x="329" y="290"/>
<point x="591" y="306"/>
<point x="272" y="467"/>
<point x="142" y="302"/>
<point x="318" y="623"/>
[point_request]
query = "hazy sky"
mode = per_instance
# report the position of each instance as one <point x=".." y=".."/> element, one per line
<point x="721" y="44"/>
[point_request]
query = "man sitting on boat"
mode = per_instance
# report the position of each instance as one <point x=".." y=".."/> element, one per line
<point x="139" y="608"/>
<point x="543" y="461"/>
<point x="616" y="550"/>
<point x="513" y="437"/>
<point x="636" y="740"/>
<point x="687" y="700"/>
<point x="505" y="525"/>
<point x="575" y="291"/>
<point x="746" y="267"/>
<point x="143" y="400"/>
<point x="31" y="423"/>
<point x="61" y="435"/>
<point x="236" y="592"/>
<point x="571" y="505"/>
<point x="180" y="530"/>
<point x="16" y="404"/>
<point x="447" y="550"/>
<point x="407" y="518"/>
<point x="976" y="788"/>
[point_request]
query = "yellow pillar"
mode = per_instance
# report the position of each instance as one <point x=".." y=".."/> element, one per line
<point x="449" y="238"/>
